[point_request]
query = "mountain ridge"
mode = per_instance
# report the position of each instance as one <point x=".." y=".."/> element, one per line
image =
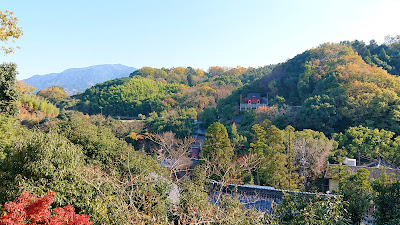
<point x="75" y="80"/>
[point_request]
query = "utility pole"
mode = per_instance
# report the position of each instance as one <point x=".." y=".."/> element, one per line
<point x="101" y="110"/>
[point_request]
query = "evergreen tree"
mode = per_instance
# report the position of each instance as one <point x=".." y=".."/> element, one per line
<point x="217" y="146"/>
<point x="9" y="93"/>
<point x="387" y="200"/>
<point x="269" y="145"/>
<point x="238" y="141"/>
<point x="383" y="56"/>
<point x="356" y="189"/>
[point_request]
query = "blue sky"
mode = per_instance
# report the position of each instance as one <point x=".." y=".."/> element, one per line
<point x="77" y="33"/>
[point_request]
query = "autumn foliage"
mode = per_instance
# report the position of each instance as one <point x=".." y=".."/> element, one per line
<point x="30" y="209"/>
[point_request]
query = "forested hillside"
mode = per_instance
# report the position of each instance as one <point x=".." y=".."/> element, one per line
<point x="155" y="90"/>
<point x="323" y="105"/>
<point x="335" y="88"/>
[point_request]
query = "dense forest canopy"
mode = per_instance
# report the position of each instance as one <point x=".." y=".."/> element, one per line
<point x="335" y="88"/>
<point x="154" y="90"/>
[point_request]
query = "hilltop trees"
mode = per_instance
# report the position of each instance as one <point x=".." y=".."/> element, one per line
<point x="329" y="88"/>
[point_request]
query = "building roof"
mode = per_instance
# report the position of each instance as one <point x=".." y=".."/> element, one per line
<point x="375" y="172"/>
<point x="253" y="95"/>
<point x="237" y="119"/>
<point x="380" y="163"/>
<point x="259" y="190"/>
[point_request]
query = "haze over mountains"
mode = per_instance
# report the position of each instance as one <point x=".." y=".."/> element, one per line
<point x="79" y="79"/>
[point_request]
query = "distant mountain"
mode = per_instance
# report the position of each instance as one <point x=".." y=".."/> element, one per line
<point x="79" y="79"/>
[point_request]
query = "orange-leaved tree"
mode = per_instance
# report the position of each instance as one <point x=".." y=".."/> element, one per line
<point x="30" y="209"/>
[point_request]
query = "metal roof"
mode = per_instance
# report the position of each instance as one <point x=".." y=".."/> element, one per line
<point x="253" y="95"/>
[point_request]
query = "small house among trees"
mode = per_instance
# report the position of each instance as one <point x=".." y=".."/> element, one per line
<point x="253" y="98"/>
<point x="252" y="101"/>
<point x="375" y="170"/>
<point x="236" y="120"/>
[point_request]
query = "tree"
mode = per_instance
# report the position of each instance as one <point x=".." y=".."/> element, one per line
<point x="238" y="141"/>
<point x="315" y="210"/>
<point x="172" y="152"/>
<point x="362" y="142"/>
<point x="319" y="113"/>
<point x="291" y="153"/>
<point x="387" y="200"/>
<point x="268" y="144"/>
<point x="277" y="100"/>
<point x="9" y="93"/>
<point x="217" y="146"/>
<point x="8" y="30"/>
<point x="312" y="149"/>
<point x="24" y="88"/>
<point x="357" y="191"/>
<point x="30" y="209"/>
<point x="55" y="94"/>
<point x="9" y="129"/>
<point x="208" y="116"/>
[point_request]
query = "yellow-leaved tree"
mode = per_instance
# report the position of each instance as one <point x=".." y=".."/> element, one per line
<point x="8" y="31"/>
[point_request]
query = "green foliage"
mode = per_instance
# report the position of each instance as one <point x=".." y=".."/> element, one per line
<point x="40" y="104"/>
<point x="335" y="88"/>
<point x="357" y="191"/>
<point x="9" y="93"/>
<point x="362" y="142"/>
<point x="98" y="143"/>
<point x="314" y="210"/>
<point x="277" y="100"/>
<point x="268" y="144"/>
<point x="179" y="122"/>
<point x="387" y="200"/>
<point x="57" y="96"/>
<point x="86" y="166"/>
<point x="40" y="162"/>
<point x="385" y="55"/>
<point x="217" y="146"/>
<point x="9" y="130"/>
<point x="319" y="113"/>
<point x="208" y="116"/>
<point x="238" y="141"/>
<point x="126" y="96"/>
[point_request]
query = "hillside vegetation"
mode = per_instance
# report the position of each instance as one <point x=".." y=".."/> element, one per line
<point x="325" y="104"/>
<point x="335" y="88"/>
<point x="155" y="90"/>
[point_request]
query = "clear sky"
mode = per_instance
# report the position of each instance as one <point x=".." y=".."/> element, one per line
<point x="167" y="33"/>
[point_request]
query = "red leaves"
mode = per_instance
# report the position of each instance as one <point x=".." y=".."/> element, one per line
<point x="30" y="209"/>
<point x="67" y="216"/>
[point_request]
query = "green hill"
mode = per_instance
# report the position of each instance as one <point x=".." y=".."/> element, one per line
<point x="335" y="88"/>
<point x="155" y="90"/>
